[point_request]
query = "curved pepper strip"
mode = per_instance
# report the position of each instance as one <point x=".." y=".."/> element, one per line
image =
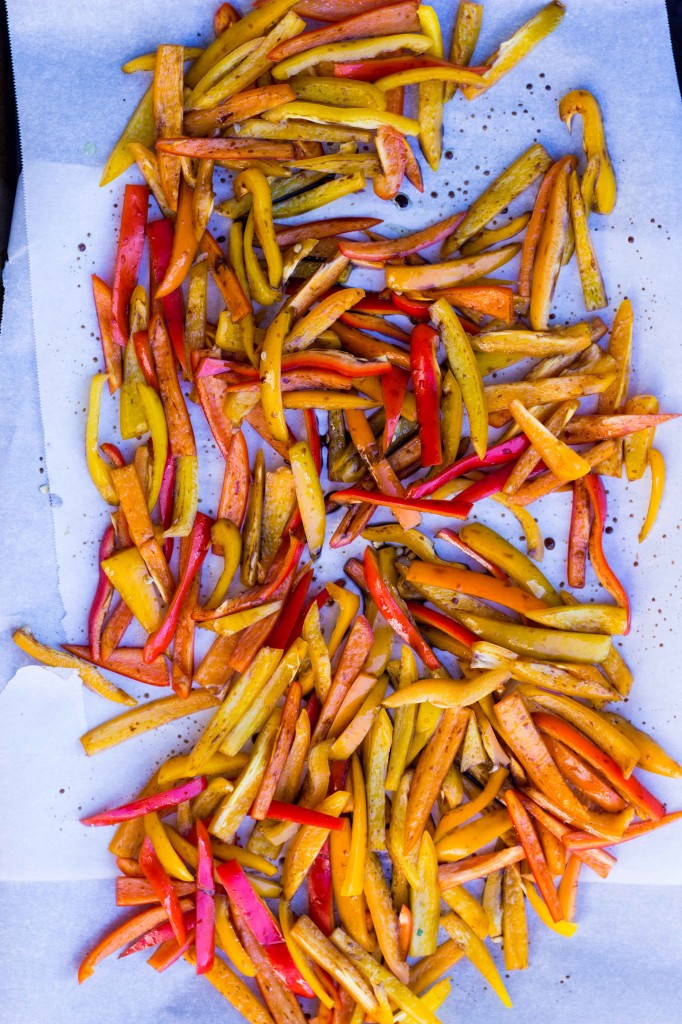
<point x="97" y="467"/>
<point x="165" y="851"/>
<point x="534" y="855"/>
<point x="185" y="497"/>
<point x="200" y="539"/>
<point x="657" y="467"/>
<point x="153" y="410"/>
<point x="271" y="375"/>
<point x="604" y="572"/>
<point x="427" y="392"/>
<point x="498" y="455"/>
<point x="127" y="932"/>
<point x="160" y="882"/>
<point x="582" y="102"/>
<point x="394" y="248"/>
<point x="144" y="805"/>
<point x="254" y="181"/>
<point x="166" y="502"/>
<point x="394" y="611"/>
<point x="309" y="496"/>
<point x="185" y="245"/>
<point x="451" y="509"/>
<point x="103" y="594"/>
<point x="128" y="256"/>
<point x="145" y="359"/>
<point x="162" y="250"/>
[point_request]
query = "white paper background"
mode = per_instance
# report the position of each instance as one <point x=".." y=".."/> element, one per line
<point x="72" y="103"/>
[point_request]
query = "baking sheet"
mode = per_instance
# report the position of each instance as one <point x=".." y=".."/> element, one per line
<point x="64" y="143"/>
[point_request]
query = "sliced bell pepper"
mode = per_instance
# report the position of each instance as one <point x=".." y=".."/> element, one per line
<point x="128" y="256"/>
<point x="320" y="898"/>
<point x="211" y="392"/>
<point x="465" y="34"/>
<point x="476" y="584"/>
<point x="156" y="802"/>
<point x="131" y="929"/>
<point x="393" y="388"/>
<point x="430" y="617"/>
<point x="58" y="659"/>
<point x="102" y="598"/>
<point x="550" y="250"/>
<point x="465" y="371"/>
<point x="384" y="21"/>
<point x="204" y="939"/>
<point x="160" y="640"/>
<point x="167" y="248"/>
<point x="452" y="509"/>
<point x="157" y="877"/>
<point x="111" y="350"/>
<point x="225" y="278"/>
<point x="394" y="611"/>
<point x="255" y="182"/>
<point x="126" y="661"/>
<point x="145" y="359"/>
<point x="427" y="388"/>
<point x="180" y="433"/>
<point x="98" y="468"/>
<point x="582" y="102"/>
<point x="604" y="572"/>
<point x="499" y="455"/>
<point x="534" y="855"/>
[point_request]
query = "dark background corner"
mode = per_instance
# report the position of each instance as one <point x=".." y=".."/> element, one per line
<point x="10" y="157"/>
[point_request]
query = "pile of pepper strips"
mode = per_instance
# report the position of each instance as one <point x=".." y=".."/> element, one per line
<point x="511" y="775"/>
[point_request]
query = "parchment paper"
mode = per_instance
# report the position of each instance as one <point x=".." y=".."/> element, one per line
<point x="73" y="102"/>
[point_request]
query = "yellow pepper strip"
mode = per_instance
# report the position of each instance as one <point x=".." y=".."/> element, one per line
<point x="238" y="700"/>
<point x="514" y="923"/>
<point x="279" y="504"/>
<point x="226" y="537"/>
<point x="459" y="815"/>
<point x="149" y="168"/>
<point x="221" y="68"/>
<point x="360" y="688"/>
<point x="597" y="455"/>
<point x="206" y="802"/>
<point x="613" y="397"/>
<point x="468" y="908"/>
<point x="464" y="38"/>
<point x="306" y="844"/>
<point x="227" y="625"/>
<point x="176" y="768"/>
<point x="589" y="618"/>
<point x="379" y="748"/>
<point x="657" y="466"/>
<point x="261" y="290"/>
<point x="352" y="910"/>
<point x="195" y="314"/>
<point x="380" y="652"/>
<point x="451" y="417"/>
<point x="359" y="726"/>
<point x="349" y="604"/>
<point x="233" y="989"/>
<point x="251" y="533"/>
<point x="425" y="901"/>
<point x="89" y="675"/>
<point x="435" y="75"/>
<point x="168" y="112"/>
<point x="349" y="117"/>
<point x="558" y="677"/>
<point x="256" y="128"/>
<point x="354" y="881"/>
<point x="149" y="716"/>
<point x="516" y="565"/>
<point x="324" y="315"/>
<point x="271" y="375"/>
<point x="592" y="723"/>
<point x="636" y="446"/>
<point x="338" y="91"/>
<point x="476" y="951"/>
<point x="309" y="495"/>
<point x="488" y="237"/>
<point x="581" y="102"/>
<point x="256" y="183"/>
<point x="380" y="976"/>
<point x="450" y="693"/>
<point x="153" y="410"/>
<point x="431" y="92"/>
<point x="590" y="275"/>
<point x="97" y="467"/>
<point x="491" y="901"/>
<point x="407" y="862"/>
<point x="235" y="806"/>
<point x="534" y="642"/>
<point x="248" y="715"/>
<point x="356" y="49"/>
<point x="227" y="940"/>
<point x="164" y="849"/>
<point x="534" y="543"/>
<point x="565" y="928"/>
<point x="147" y="61"/>
<point x="535" y="343"/>
<point x="321" y="195"/>
<point x="518" y="46"/>
<point x="425" y="276"/>
<point x="246" y="325"/>
<point x="559" y="458"/>
<point x="384" y="917"/>
<point x="140" y="129"/>
<point x="550" y="252"/>
<point x="433" y="1000"/>
<point x="527" y="461"/>
<point x="652" y="757"/>
<point x="131" y="412"/>
<point x="392" y="533"/>
<point x="473" y="752"/>
<point x="286" y="921"/>
<point x="186" y="496"/>
<point x="317" y="652"/>
<point x="465" y="371"/>
<point x="510" y="184"/>
<point x="128" y="573"/>
<point x="467" y="839"/>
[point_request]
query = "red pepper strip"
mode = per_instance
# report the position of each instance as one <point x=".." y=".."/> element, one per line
<point x="453" y="538"/>
<point x="430" y="617"/>
<point x="338" y="771"/>
<point x="103" y="594"/>
<point x="211" y="366"/>
<point x="169" y="953"/>
<point x="391" y="248"/>
<point x="166" y="502"/>
<point x="454" y="508"/>
<point x="312" y="709"/>
<point x="160" y="234"/>
<point x="320" y="901"/>
<point x="603" y="571"/>
<point x="211" y="393"/>
<point x="280" y="811"/>
<point x="263" y="925"/>
<point x="491" y="483"/>
<point x="337" y="362"/>
<point x="373" y="323"/>
<point x="113" y="452"/>
<point x="534" y="854"/>
<point x="156" y="936"/>
<point x="282" y="635"/>
<point x="236" y="482"/>
<point x="158" y="878"/>
<point x="312" y="429"/>
<point x="393" y="388"/>
<point x="287" y="235"/>
<point x="113" y="357"/>
<point x="283" y="566"/>
<point x="395" y="611"/>
<point x="143" y="351"/>
<point x="126" y="661"/>
<point x="200" y="539"/>
<point x="391" y="149"/>
<point x="204" y="939"/>
<point x="575" y="841"/>
<point x="631" y="788"/>
<point x="182" y="667"/>
<point x="426" y="383"/>
<point x="415" y="308"/>
<point x="498" y="455"/>
<point x="128" y="256"/>
<point x="114" y="631"/>
<point x="371" y="70"/>
<point x="147" y="804"/>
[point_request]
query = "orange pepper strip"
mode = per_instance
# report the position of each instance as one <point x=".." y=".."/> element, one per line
<point x="134" y="506"/>
<point x="360" y="640"/>
<point x="168" y="104"/>
<point x="475" y="584"/>
<point x="111" y="350"/>
<point x="236" y="109"/>
<point x="182" y="669"/>
<point x="598" y="860"/>
<point x="235" y="492"/>
<point x="550" y="251"/>
<point x="581" y="843"/>
<point x="388" y="20"/>
<point x="534" y="855"/>
<point x="468" y="870"/>
<point x="432" y="767"/>
<point x="124" y="934"/>
<point x="583" y="778"/>
<point x="568" y="887"/>
<point x="534" y="229"/>
<point x="225" y="278"/>
<point x="490" y="300"/>
<point x="280" y="753"/>
<point x="180" y="433"/>
<point x="379" y="467"/>
<point x="185" y="244"/>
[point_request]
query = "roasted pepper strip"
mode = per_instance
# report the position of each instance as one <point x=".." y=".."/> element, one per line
<point x="168" y="104"/>
<point x="604" y="572"/>
<point x="185" y="244"/>
<point x="111" y="350"/>
<point x="465" y="371"/>
<point x="591" y="281"/>
<point x="58" y="659"/>
<point x="225" y="278"/>
<point x="550" y="251"/>
<point x="427" y="391"/>
<point x="128" y="256"/>
<point x="98" y="468"/>
<point x="157" y="877"/>
<point x="180" y="433"/>
<point x="392" y="608"/>
<point x="581" y="102"/>
<point x="464" y="38"/>
<point x="533" y="850"/>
